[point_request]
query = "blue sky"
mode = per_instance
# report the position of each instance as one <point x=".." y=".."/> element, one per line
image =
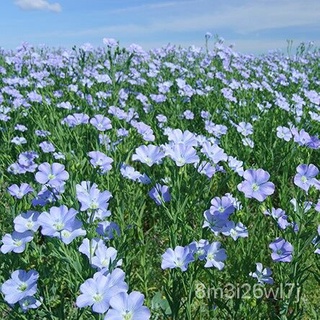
<point x="253" y="26"/>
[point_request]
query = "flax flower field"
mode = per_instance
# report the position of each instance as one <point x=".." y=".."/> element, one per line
<point x="174" y="183"/>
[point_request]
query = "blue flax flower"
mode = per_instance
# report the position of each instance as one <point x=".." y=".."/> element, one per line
<point x="127" y="307"/>
<point x="213" y="152"/>
<point x="54" y="175"/>
<point x="61" y="222"/>
<point x="20" y="127"/>
<point x="215" y="256"/>
<point x="96" y="292"/>
<point x="236" y="165"/>
<point x="180" y="257"/>
<point x="282" y="250"/>
<point x="197" y="248"/>
<point x="104" y="257"/>
<point x="101" y="122"/>
<point x="144" y="130"/>
<point x="244" y="128"/>
<point x="101" y="160"/>
<point x="16" y="241"/>
<point x="25" y="163"/>
<point x="215" y="221"/>
<point x="160" y="194"/>
<point x="280" y="216"/>
<point x="47" y="195"/>
<point x="222" y="206"/>
<point x="47" y="147"/>
<point x="149" y="155"/>
<point x="108" y="229"/>
<point x="185" y="137"/>
<point x="88" y="247"/>
<point x="256" y="184"/>
<point x="134" y="175"/>
<point x="235" y="231"/>
<point x="188" y="114"/>
<point x="19" y="141"/>
<point x="29" y="303"/>
<point x="262" y="275"/>
<point x="110" y="42"/>
<point x="75" y="119"/>
<point x="27" y="221"/>
<point x="305" y="177"/>
<point x="21" y="191"/>
<point x="182" y="154"/>
<point x="92" y="199"/>
<point x="301" y="137"/>
<point x="129" y="172"/>
<point x="21" y="285"/>
<point x="206" y="168"/>
<point x="284" y="133"/>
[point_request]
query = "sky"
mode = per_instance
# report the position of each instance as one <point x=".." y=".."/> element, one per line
<point x="252" y="26"/>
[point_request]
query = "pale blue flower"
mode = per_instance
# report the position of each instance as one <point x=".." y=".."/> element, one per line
<point x="96" y="292"/>
<point x="22" y="284"/>
<point x="127" y="307"/>
<point x="262" y="275"/>
<point x="180" y="257"/>
<point x="215" y="255"/>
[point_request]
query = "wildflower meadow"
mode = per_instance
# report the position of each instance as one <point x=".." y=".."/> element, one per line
<point x="174" y="183"/>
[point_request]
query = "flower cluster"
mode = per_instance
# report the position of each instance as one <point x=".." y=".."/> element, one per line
<point x="181" y="257"/>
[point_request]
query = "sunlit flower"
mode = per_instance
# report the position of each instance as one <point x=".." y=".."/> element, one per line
<point x="262" y="275"/>
<point x="22" y="284"/>
<point x="305" y="177"/>
<point x="256" y="184"/>
<point x="215" y="256"/>
<point x="127" y="307"/>
<point x="180" y="257"/>
<point x="96" y="292"/>
<point x="282" y="250"/>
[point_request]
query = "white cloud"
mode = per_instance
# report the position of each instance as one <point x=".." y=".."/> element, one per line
<point x="38" y="5"/>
